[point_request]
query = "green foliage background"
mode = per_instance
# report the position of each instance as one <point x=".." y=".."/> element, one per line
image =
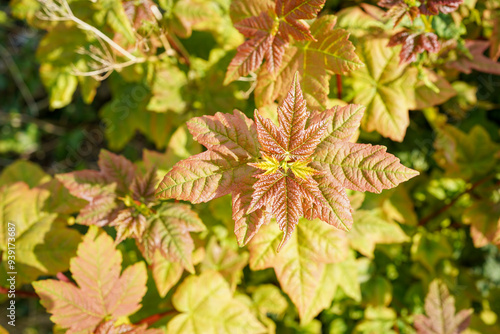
<point x="442" y="224"/>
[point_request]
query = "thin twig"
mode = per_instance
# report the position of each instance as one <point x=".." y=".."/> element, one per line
<point x="18" y="79"/>
<point x="59" y="10"/>
<point x="44" y="125"/>
<point x="253" y="80"/>
<point x="443" y="209"/>
<point x="179" y="48"/>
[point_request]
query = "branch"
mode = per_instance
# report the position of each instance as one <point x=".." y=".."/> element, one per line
<point x="443" y="209"/>
<point x="44" y="125"/>
<point x="25" y="294"/>
<point x="339" y="86"/>
<point x="155" y="317"/>
<point x="18" y="79"/>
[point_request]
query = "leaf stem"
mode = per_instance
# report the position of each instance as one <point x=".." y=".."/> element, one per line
<point x="25" y="294"/>
<point x="339" y="86"/>
<point x="155" y="317"/>
<point x="178" y="47"/>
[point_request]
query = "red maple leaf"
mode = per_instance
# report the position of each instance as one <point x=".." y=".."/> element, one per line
<point x="299" y="168"/>
<point x="413" y="44"/>
<point x="479" y="61"/>
<point x="433" y="7"/>
<point x="287" y="186"/>
<point x="269" y="32"/>
<point x="398" y="9"/>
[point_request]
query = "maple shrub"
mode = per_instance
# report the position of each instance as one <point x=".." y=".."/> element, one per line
<point x="250" y="166"/>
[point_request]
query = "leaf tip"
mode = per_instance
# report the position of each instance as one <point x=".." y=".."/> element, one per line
<point x="284" y="240"/>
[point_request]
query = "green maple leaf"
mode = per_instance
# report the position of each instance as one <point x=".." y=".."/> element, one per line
<point x="23" y="171"/>
<point x="307" y="162"/>
<point x="223" y="259"/>
<point x="371" y="229"/>
<point x="166" y="273"/>
<point x="466" y="155"/>
<point x="101" y="292"/>
<point x="206" y="305"/>
<point x="301" y="266"/>
<point x="127" y="112"/>
<point x="385" y="87"/>
<point x="483" y="216"/>
<point x="36" y="233"/>
<point x="440" y="310"/>
<point x="269" y="299"/>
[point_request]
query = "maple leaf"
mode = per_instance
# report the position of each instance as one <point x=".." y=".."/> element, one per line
<point x="371" y="229"/>
<point x="301" y="266"/>
<point x="269" y="299"/>
<point x="479" y="61"/>
<point x="223" y="259"/>
<point x="165" y="273"/>
<point x="101" y="292"/>
<point x="91" y="186"/>
<point x="100" y="188"/>
<point x="465" y="155"/>
<point x="440" y="310"/>
<point x="23" y="171"/>
<point x="484" y="218"/>
<point x="128" y="224"/>
<point x="383" y="87"/>
<point x="232" y="143"/>
<point x="143" y="186"/>
<point x="426" y="97"/>
<point x="284" y="193"/>
<point x="116" y="169"/>
<point x="36" y="232"/>
<point x="337" y="164"/>
<point x="117" y="195"/>
<point x="206" y="305"/>
<point x="307" y="162"/>
<point x="316" y="60"/>
<point x="398" y="9"/>
<point x="414" y="44"/>
<point x="168" y="231"/>
<point x="269" y="30"/>
<point x="290" y="12"/>
<point x="433" y="7"/>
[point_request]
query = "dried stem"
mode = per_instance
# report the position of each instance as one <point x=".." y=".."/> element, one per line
<point x="104" y="60"/>
<point x="59" y="10"/>
<point x="253" y="80"/>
